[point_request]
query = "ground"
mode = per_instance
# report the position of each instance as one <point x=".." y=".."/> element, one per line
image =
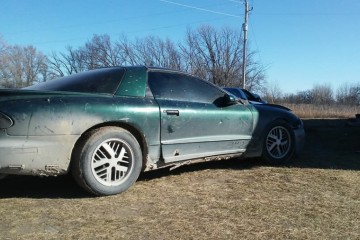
<point x="316" y="196"/>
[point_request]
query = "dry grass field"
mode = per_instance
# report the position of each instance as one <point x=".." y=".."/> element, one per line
<point x="316" y="196"/>
<point x="324" y="111"/>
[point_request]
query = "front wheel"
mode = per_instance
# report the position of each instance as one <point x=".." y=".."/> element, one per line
<point x="108" y="161"/>
<point x="279" y="143"/>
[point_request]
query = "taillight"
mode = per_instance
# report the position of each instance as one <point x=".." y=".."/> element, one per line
<point x="5" y="121"/>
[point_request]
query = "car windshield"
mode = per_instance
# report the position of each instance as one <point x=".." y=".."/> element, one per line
<point x="105" y="81"/>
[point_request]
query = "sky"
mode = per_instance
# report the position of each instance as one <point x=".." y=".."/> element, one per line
<point x="301" y="43"/>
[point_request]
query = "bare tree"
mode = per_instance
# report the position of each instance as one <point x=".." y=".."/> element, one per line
<point x="216" y="56"/>
<point x="127" y="51"/>
<point x="101" y="52"/>
<point x="21" y="66"/>
<point x="3" y="46"/>
<point x="153" y="51"/>
<point x="323" y="94"/>
<point x="348" y="94"/>
<point x="272" y="93"/>
<point x="3" y="62"/>
<point x="305" y="97"/>
<point x="70" y="62"/>
<point x="319" y="95"/>
<point x="97" y="52"/>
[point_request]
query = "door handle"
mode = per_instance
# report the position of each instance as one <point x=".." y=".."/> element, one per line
<point x="172" y="112"/>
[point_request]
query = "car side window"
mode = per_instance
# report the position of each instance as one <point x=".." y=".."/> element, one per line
<point x="182" y="87"/>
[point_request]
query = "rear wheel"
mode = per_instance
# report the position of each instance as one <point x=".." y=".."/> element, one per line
<point x="279" y="143"/>
<point x="108" y="161"/>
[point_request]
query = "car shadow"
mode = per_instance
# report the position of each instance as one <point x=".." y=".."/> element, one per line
<point x="330" y="144"/>
<point x="233" y="164"/>
<point x="41" y="187"/>
<point x="65" y="187"/>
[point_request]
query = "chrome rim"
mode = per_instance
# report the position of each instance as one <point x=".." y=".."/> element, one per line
<point x="278" y="142"/>
<point x="112" y="162"/>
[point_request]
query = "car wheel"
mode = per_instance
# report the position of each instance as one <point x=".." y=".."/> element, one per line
<point x="2" y="176"/>
<point x="279" y="143"/>
<point x="108" y="161"/>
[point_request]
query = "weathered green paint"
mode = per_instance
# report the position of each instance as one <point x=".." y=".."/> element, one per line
<point x="201" y="128"/>
<point x="47" y="125"/>
<point x="133" y="82"/>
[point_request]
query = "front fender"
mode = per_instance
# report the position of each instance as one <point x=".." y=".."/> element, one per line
<point x="267" y="115"/>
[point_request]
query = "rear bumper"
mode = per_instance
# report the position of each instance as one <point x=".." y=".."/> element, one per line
<point x="36" y="155"/>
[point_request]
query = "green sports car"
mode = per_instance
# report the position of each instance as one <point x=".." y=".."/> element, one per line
<point x="108" y="125"/>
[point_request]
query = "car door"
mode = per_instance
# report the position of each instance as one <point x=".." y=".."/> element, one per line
<point x="195" y="122"/>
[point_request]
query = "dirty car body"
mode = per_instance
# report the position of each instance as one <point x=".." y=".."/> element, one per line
<point x="108" y="125"/>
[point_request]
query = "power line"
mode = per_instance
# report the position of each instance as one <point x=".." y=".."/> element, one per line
<point x="201" y="9"/>
<point x="128" y="32"/>
<point x="52" y="28"/>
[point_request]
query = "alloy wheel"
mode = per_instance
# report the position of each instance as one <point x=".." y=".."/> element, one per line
<point x="112" y="162"/>
<point x="278" y="142"/>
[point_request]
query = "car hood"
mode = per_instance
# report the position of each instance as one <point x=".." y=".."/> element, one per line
<point x="276" y="106"/>
<point x="272" y="112"/>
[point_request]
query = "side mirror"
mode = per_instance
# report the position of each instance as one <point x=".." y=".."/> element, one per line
<point x="257" y="97"/>
<point x="226" y="100"/>
<point x="230" y="99"/>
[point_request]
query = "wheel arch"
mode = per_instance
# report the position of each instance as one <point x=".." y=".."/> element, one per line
<point x="269" y="125"/>
<point x="255" y="147"/>
<point x="124" y="125"/>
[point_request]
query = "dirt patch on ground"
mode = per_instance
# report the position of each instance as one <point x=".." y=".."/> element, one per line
<point x="316" y="196"/>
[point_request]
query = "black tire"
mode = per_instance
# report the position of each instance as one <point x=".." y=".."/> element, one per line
<point x="279" y="143"/>
<point x="107" y="161"/>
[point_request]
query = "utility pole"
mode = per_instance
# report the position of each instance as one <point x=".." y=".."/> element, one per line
<point x="245" y="29"/>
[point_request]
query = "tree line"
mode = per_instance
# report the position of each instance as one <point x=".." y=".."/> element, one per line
<point x="21" y="66"/>
<point x="210" y="53"/>
<point x="345" y="94"/>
